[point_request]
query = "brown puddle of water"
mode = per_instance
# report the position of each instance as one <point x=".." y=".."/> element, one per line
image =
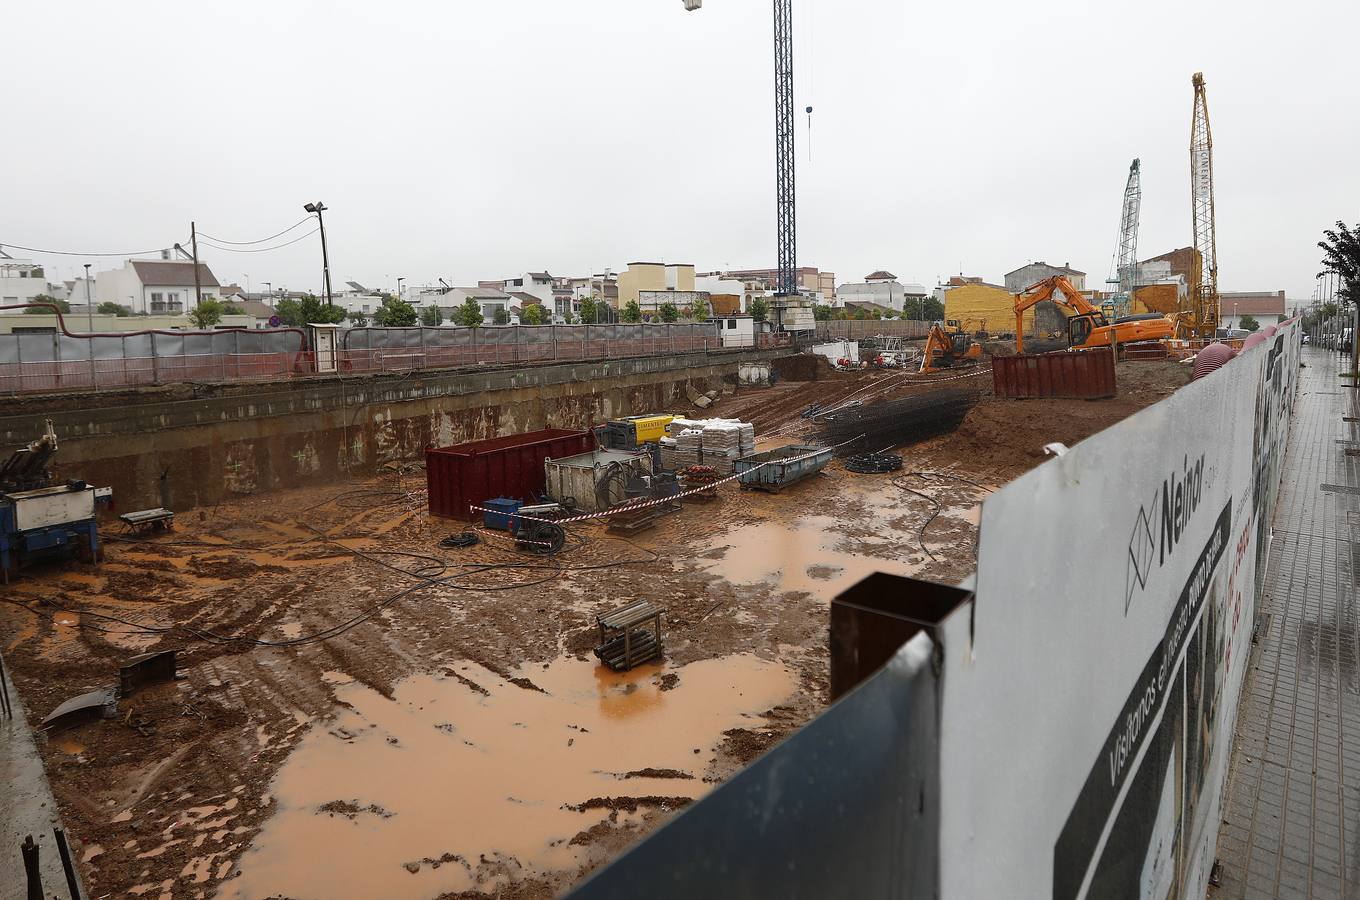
<point x="809" y="555"/>
<point x="443" y="777"/>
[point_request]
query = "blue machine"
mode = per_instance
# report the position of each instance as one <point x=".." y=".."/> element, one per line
<point x="41" y="519"/>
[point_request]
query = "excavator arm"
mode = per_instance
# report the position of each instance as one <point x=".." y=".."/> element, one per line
<point x="1059" y="290"/>
<point x="946" y="349"/>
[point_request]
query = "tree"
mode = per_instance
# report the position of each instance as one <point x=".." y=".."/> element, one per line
<point x="109" y="308"/>
<point x="632" y="312"/>
<point x="1248" y="323"/>
<point x="1327" y="310"/>
<point x="62" y="305"/>
<point x="668" y="312"/>
<point x="469" y="313"/>
<point x="820" y="311"/>
<point x="501" y="316"/>
<point x="911" y="308"/>
<point x="357" y="319"/>
<point x="589" y="310"/>
<point x="232" y="309"/>
<point x="206" y="314"/>
<point x="394" y="313"/>
<point x="431" y="316"/>
<point x="932" y="310"/>
<point x="700" y="309"/>
<point x="307" y="311"/>
<point x="760" y="309"/>
<point x="532" y="314"/>
<point x="1341" y="257"/>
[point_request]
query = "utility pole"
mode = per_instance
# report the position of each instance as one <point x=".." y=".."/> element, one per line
<point x="318" y="207"/>
<point x="198" y="285"/>
<point x="89" y="307"/>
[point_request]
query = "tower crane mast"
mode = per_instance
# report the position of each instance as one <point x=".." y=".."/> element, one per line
<point x="1126" y="253"/>
<point x="786" y="230"/>
<point x="1204" y="301"/>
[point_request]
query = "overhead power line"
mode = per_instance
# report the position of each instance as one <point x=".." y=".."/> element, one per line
<point x="206" y="243"/>
<point x="81" y="253"/>
<point x="201" y="234"/>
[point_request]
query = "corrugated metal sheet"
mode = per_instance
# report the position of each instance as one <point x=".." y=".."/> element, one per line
<point x="1088" y="374"/>
<point x="510" y="466"/>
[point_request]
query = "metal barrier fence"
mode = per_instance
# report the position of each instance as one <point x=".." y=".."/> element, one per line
<point x="851" y="329"/>
<point x="39" y="363"/>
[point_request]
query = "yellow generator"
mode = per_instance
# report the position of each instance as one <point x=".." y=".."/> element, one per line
<point x="632" y="432"/>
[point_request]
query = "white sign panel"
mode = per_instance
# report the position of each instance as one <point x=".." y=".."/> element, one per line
<point x="1088" y="712"/>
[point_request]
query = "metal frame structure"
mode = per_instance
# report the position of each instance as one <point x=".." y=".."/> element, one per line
<point x="1126" y="254"/>
<point x="1204" y="298"/>
<point x="785" y="207"/>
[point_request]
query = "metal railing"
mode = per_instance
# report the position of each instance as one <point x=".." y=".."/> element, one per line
<point x="390" y="350"/>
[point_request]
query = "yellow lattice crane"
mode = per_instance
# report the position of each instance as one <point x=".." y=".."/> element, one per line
<point x="1204" y="306"/>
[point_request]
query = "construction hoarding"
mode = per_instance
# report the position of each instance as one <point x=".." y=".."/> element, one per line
<point x="1089" y="704"/>
<point x="1065" y="732"/>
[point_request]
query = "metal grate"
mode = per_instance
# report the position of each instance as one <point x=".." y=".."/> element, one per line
<point x="1339" y="488"/>
<point x="1355" y="563"/>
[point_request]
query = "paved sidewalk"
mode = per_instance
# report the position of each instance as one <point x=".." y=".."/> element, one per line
<point x="1292" y="822"/>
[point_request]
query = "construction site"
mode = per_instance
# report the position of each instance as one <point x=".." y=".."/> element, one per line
<point x="1015" y="600"/>
<point x="332" y="629"/>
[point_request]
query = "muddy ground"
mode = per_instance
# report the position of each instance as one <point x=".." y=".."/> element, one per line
<point x="365" y="713"/>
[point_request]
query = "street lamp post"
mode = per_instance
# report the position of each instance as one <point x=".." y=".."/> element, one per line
<point x="89" y="307"/>
<point x="318" y="208"/>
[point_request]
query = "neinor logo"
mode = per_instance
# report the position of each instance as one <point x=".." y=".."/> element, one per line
<point x="1180" y="499"/>
<point x="1173" y="504"/>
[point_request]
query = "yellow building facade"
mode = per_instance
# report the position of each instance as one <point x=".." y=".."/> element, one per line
<point x="984" y="307"/>
<point x="652" y="276"/>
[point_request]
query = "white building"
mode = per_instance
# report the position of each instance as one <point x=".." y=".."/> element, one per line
<point x="736" y="331"/>
<point x="540" y="284"/>
<point x="154" y="287"/>
<point x="489" y="299"/>
<point x="1031" y="274"/>
<point x="20" y="281"/>
<point x="880" y="288"/>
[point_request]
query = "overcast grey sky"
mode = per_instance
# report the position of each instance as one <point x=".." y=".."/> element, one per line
<point x="479" y="140"/>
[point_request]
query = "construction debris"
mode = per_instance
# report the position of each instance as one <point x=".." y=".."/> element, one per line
<point x="148" y="668"/>
<point x="101" y="703"/>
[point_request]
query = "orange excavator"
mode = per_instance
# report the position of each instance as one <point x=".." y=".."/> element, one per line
<point x="948" y="346"/>
<point x="1088" y="327"/>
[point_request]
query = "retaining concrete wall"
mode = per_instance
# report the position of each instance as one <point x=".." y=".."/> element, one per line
<point x="194" y="452"/>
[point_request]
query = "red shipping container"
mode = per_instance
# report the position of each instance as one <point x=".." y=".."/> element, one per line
<point x="1088" y="374"/>
<point x="512" y="466"/>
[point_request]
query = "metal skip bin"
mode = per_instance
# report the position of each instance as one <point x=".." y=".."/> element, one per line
<point x="1086" y="374"/>
<point x="775" y="470"/>
<point x="594" y="481"/>
<point x="465" y="475"/>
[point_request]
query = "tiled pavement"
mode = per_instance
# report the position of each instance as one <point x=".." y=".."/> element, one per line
<point x="1292" y="822"/>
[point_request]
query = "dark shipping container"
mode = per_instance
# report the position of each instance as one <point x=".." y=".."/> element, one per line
<point x="1088" y="374"/>
<point x="466" y="474"/>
